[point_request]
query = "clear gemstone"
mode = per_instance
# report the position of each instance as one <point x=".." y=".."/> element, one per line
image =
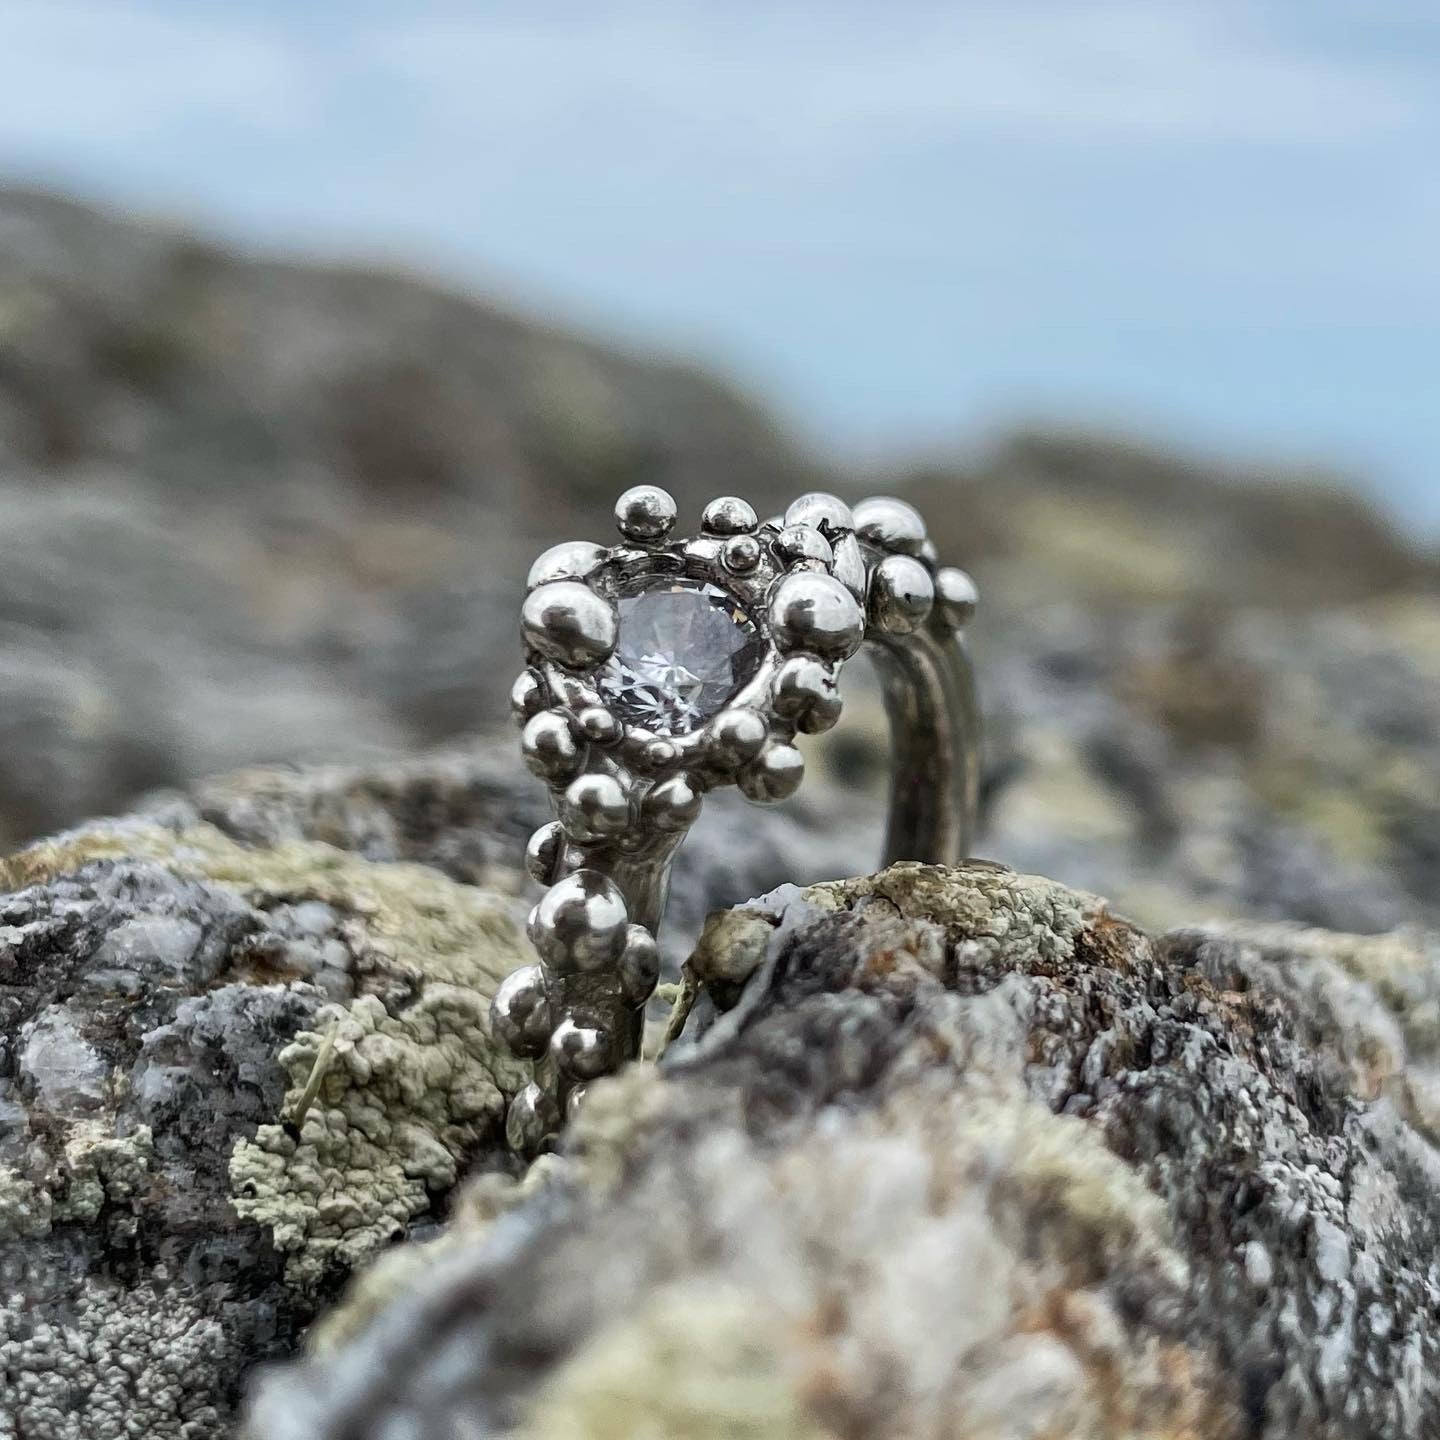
<point x="685" y="647"/>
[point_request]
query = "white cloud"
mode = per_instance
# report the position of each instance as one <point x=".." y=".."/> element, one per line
<point x="814" y="75"/>
<point x="90" y="73"/>
<point x="892" y="208"/>
<point x="807" y="81"/>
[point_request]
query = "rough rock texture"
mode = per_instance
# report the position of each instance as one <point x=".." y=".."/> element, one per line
<point x="997" y="1164"/>
<point x="469" y="811"/>
<point x="179" y="1186"/>
<point x="969" y="1157"/>
<point x="244" y="1048"/>
<point x="1122" y="520"/>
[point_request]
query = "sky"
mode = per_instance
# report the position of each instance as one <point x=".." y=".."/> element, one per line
<point x="903" y="224"/>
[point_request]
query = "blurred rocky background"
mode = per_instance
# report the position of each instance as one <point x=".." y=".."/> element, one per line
<point x="261" y="511"/>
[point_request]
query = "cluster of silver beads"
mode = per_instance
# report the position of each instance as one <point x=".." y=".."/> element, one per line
<point x="814" y="583"/>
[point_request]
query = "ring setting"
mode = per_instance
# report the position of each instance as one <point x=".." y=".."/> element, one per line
<point x="661" y="668"/>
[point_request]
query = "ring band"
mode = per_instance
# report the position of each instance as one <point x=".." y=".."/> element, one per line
<point x="659" y="669"/>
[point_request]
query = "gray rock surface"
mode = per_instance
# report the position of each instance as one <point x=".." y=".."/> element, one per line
<point x="1241" y="762"/>
<point x="170" y="1209"/>
<point x="262" y="512"/>
<point x="969" y="1157"/>
<point x="965" y="1151"/>
<point x="245" y="1049"/>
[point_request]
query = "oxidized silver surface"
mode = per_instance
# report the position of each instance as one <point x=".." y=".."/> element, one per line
<point x="803" y="592"/>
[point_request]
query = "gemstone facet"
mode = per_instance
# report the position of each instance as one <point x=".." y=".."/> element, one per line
<point x="684" y="648"/>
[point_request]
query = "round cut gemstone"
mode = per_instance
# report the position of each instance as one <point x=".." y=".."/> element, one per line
<point x="684" y="648"/>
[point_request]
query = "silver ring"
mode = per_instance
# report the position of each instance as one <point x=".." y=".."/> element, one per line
<point x="659" y="669"/>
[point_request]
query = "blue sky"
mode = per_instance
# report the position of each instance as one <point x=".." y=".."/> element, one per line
<point x="903" y="223"/>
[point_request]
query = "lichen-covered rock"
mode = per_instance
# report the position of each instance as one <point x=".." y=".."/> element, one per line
<point x="401" y="1104"/>
<point x="1206" y="759"/>
<point x="469" y="811"/>
<point x="958" y="1154"/>
<point x="243" y="1047"/>
<point x="228" y="1073"/>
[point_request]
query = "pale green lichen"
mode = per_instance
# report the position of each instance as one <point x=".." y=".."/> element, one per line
<point x="999" y="910"/>
<point x="817" y="1273"/>
<point x="474" y="1207"/>
<point x="1035" y="1162"/>
<point x="405" y="1098"/>
<point x="404" y="1095"/>
<point x="102" y="1168"/>
<point x="126" y="1363"/>
<point x="97" y="1167"/>
<point x="697" y="1362"/>
<point x="413" y="916"/>
<point x="1022" y="918"/>
<point x="25" y="1208"/>
<point x="617" y="1112"/>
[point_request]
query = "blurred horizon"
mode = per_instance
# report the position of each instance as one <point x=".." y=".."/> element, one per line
<point x="1191" y="222"/>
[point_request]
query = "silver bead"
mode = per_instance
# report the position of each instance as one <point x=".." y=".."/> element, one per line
<point x="801" y="542"/>
<point x="569" y="623"/>
<point x="901" y="595"/>
<point x="660" y="753"/>
<point x="849" y="566"/>
<point x="826" y="513"/>
<point x="594" y="807"/>
<point x="581" y="1051"/>
<point x="741" y="554"/>
<point x="599" y="726"/>
<point x="527" y="696"/>
<point x="548" y="746"/>
<point x="645" y="512"/>
<point x="729" y="515"/>
<point x="929" y="554"/>
<point x="956" y="597"/>
<point x="805" y="692"/>
<point x="542" y="854"/>
<point x="673" y="805"/>
<point x="734" y="737"/>
<point x="574" y="1100"/>
<point x="569" y="560"/>
<point x="816" y="612"/>
<point x="639" y="965"/>
<point x="580" y="922"/>
<point x="774" y="775"/>
<point x="890" y="524"/>
<point x="520" y="1015"/>
<point x="649" y="752"/>
<point x="533" y="1117"/>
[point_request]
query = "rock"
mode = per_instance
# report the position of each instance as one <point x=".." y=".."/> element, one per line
<point x="236" y="1071"/>
<point x="469" y="811"/>
<point x="244" y="1048"/>
<point x="1057" y="514"/>
<point x="1243" y="764"/>
<point x="258" y="511"/>
<point x="968" y="1155"/>
<point x="242" y="1035"/>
